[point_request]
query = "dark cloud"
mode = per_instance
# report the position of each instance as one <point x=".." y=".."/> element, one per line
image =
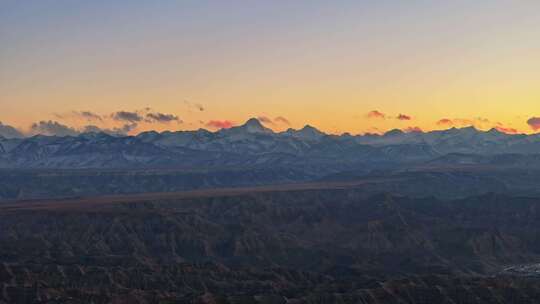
<point x="52" y="128"/>
<point x="376" y="114"/>
<point x="534" y="123"/>
<point x="162" y="118"/>
<point x="265" y="120"/>
<point x="220" y="124"/>
<point x="127" y="116"/>
<point x="9" y="131"/>
<point x="282" y="120"/>
<point x="403" y="117"/>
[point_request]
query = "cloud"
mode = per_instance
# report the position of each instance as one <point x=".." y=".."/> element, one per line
<point x="9" y="131"/>
<point x="52" y="128"/>
<point x="220" y="124"/>
<point x="89" y="115"/>
<point x="145" y="114"/>
<point x="376" y="114"/>
<point x="196" y="106"/>
<point x="265" y="120"/>
<point x="534" y="123"/>
<point x="412" y="130"/>
<point x="199" y="107"/>
<point x="282" y="120"/>
<point x="477" y="122"/>
<point x="457" y="122"/>
<point x="373" y="131"/>
<point x="86" y="115"/>
<point x="403" y="117"/>
<point x="483" y="120"/>
<point x="464" y="122"/>
<point x="127" y="116"/>
<point x="445" y="122"/>
<point x="162" y="118"/>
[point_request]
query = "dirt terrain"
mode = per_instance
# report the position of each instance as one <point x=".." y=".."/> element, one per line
<point x="304" y="243"/>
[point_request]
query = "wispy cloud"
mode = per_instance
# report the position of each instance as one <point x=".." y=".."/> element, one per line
<point x="90" y="115"/>
<point x="265" y="120"/>
<point x="376" y="114"/>
<point x="461" y="122"/>
<point x="194" y="105"/>
<point x="117" y="123"/>
<point x="457" y="122"/>
<point x="162" y="118"/>
<point x="477" y="122"/>
<point x="84" y="115"/>
<point x="282" y="120"/>
<point x="373" y="131"/>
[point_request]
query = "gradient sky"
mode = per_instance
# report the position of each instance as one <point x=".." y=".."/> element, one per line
<point x="324" y="63"/>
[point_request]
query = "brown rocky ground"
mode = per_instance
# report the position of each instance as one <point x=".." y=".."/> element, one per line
<point x="317" y="243"/>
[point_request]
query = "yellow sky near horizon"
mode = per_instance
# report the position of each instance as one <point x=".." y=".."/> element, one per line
<point x="310" y="62"/>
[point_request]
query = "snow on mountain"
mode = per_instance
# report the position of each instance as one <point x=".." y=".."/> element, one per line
<point x="306" y="133"/>
<point x="253" y="143"/>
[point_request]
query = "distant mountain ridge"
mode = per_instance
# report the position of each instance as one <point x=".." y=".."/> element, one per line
<point x="254" y="144"/>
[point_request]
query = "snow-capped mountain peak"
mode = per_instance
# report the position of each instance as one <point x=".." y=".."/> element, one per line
<point x="252" y="126"/>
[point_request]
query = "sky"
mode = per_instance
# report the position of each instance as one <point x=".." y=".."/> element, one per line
<point x="341" y="66"/>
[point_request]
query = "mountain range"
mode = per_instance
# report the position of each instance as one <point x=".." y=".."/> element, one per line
<point x="248" y="215"/>
<point x="252" y="144"/>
